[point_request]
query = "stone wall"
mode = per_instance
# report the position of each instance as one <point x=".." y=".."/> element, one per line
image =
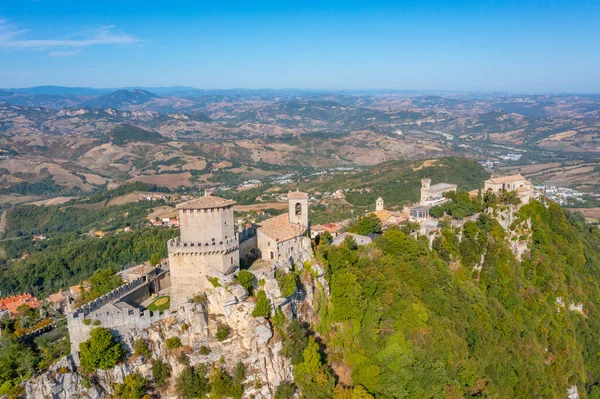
<point x="119" y="321"/>
<point x="191" y="273"/>
<point x="114" y="311"/>
<point x="249" y="248"/>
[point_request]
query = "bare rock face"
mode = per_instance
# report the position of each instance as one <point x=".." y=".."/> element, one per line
<point x="251" y="341"/>
<point x="61" y="382"/>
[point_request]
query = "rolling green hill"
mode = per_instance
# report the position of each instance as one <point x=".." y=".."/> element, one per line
<point x="125" y="133"/>
<point x="398" y="182"/>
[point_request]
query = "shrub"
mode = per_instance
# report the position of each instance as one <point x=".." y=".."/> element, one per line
<point x="87" y="322"/>
<point x="160" y="373"/>
<point x="101" y="351"/>
<point x="214" y="281"/>
<point x="204" y="350"/>
<point x="183" y="359"/>
<point x="96" y="322"/>
<point x="246" y="279"/>
<point x="223" y="331"/>
<point x="133" y="387"/>
<point x="140" y="347"/>
<point x="287" y="283"/>
<point x="173" y="343"/>
<point x="263" y="306"/>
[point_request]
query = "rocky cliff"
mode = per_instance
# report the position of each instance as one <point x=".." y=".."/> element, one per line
<point x="252" y="341"/>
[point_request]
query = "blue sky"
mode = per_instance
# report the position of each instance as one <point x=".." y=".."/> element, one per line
<point x="518" y="46"/>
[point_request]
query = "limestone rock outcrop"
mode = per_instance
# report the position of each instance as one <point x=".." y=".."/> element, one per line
<point x="251" y="341"/>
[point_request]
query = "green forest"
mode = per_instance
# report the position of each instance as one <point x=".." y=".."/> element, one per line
<point x="406" y="321"/>
<point x="67" y="256"/>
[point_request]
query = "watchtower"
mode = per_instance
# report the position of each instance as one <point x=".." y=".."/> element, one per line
<point x="207" y="248"/>
<point x="425" y="186"/>
<point x="298" y="208"/>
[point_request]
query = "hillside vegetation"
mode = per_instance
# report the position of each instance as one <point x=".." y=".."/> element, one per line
<point x="407" y="321"/>
<point x="128" y="133"/>
<point x="399" y="182"/>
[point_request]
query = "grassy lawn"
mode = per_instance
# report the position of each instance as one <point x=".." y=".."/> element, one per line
<point x="160" y="304"/>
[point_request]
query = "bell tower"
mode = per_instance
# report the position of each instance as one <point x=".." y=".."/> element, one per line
<point x="298" y="208"/>
<point x="379" y="204"/>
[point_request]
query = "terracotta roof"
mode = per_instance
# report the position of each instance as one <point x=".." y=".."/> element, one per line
<point x="57" y="297"/>
<point x="507" y="179"/>
<point x="329" y="227"/>
<point x="279" y="228"/>
<point x="12" y="303"/>
<point x="206" y="202"/>
<point x="383" y="215"/>
<point x="297" y="195"/>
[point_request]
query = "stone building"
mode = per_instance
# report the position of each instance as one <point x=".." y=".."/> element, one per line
<point x="283" y="237"/>
<point x="434" y="193"/>
<point x="207" y="248"/>
<point x="517" y="183"/>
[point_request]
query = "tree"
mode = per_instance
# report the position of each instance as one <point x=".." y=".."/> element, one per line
<point x="102" y="351"/>
<point x="225" y="385"/>
<point x="312" y="376"/>
<point x="366" y="225"/>
<point x="346" y="296"/>
<point x="296" y="339"/>
<point x="285" y="390"/>
<point x="246" y="279"/>
<point x="160" y="373"/>
<point x="155" y="259"/>
<point x="133" y="387"/>
<point x="192" y="383"/>
<point x="263" y="306"/>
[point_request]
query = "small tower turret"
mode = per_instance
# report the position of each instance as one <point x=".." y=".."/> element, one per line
<point x="379" y="204"/>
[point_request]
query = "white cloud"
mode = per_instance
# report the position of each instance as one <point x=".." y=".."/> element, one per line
<point x="63" y="53"/>
<point x="13" y="38"/>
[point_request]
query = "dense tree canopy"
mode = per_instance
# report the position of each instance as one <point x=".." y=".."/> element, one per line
<point x="101" y="351"/>
<point x="408" y="324"/>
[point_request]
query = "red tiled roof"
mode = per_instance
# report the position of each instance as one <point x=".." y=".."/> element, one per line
<point x="12" y="303"/>
<point x="279" y="228"/>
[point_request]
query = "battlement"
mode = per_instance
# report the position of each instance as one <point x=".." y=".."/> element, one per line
<point x="177" y="246"/>
<point x="107" y="298"/>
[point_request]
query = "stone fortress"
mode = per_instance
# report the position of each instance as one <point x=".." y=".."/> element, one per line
<point x="205" y="256"/>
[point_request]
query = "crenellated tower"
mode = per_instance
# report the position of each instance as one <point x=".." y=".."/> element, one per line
<point x="207" y="248"/>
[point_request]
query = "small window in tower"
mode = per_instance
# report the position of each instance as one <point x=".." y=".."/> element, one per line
<point x="232" y="260"/>
<point x="298" y="209"/>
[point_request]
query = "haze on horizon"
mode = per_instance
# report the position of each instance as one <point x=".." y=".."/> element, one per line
<point x="516" y="46"/>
